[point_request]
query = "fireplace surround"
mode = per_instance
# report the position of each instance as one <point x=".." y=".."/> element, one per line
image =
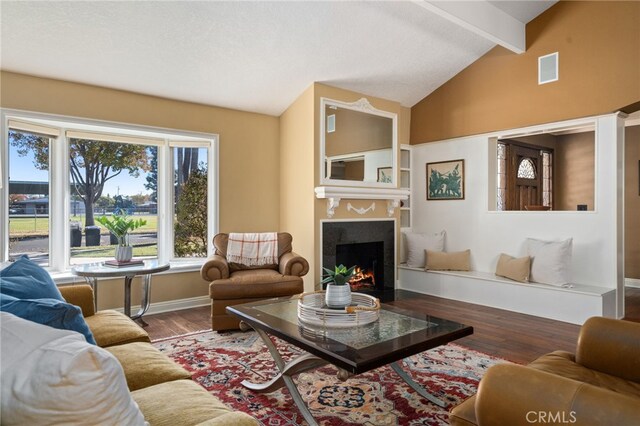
<point x="367" y="244"/>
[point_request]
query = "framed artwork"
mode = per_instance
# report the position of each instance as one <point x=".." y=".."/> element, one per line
<point x="445" y="180"/>
<point x="384" y="174"/>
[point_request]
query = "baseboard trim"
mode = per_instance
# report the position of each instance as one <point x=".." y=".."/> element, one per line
<point x="172" y="305"/>
<point x="632" y="282"/>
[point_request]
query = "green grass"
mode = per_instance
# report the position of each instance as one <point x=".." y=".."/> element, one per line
<point x="108" y="251"/>
<point x="28" y="226"/>
<point x="32" y="227"/>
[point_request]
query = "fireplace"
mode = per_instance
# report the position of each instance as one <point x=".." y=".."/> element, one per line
<point x="368" y="258"/>
<point x="368" y="245"/>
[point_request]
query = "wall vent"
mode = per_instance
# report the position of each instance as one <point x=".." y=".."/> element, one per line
<point x="548" y="68"/>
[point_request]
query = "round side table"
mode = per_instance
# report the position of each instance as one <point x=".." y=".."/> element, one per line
<point x="92" y="271"/>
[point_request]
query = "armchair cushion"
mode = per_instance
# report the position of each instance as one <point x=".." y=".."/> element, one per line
<point x="255" y="283"/>
<point x="563" y="364"/>
<point x="515" y="394"/>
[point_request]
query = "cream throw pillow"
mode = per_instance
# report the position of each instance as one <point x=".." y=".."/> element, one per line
<point x="550" y="261"/>
<point x="52" y="376"/>
<point x="417" y="244"/>
<point x="516" y="269"/>
<point x="454" y="261"/>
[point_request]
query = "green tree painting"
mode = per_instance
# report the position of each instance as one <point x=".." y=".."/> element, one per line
<point x="445" y="180"/>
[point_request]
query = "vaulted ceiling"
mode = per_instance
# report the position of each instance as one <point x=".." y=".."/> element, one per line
<point x="257" y="56"/>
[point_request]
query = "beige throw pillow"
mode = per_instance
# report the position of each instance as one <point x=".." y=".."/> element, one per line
<point x="516" y="269"/>
<point x="454" y="261"/>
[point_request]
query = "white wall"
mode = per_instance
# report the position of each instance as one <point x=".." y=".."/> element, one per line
<point x="470" y="225"/>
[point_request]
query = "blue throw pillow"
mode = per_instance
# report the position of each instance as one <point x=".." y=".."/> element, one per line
<point x="24" y="279"/>
<point x="51" y="312"/>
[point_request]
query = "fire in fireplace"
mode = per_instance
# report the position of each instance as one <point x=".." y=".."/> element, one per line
<point x="369" y="261"/>
<point x="362" y="279"/>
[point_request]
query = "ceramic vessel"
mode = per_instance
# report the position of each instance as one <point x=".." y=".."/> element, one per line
<point x="338" y="296"/>
<point x="124" y="253"/>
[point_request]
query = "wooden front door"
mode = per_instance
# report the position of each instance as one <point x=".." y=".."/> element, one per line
<point x="524" y="175"/>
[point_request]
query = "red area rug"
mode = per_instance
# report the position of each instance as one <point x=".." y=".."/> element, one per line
<point x="220" y="361"/>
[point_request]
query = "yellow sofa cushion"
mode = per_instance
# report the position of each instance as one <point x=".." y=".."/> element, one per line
<point x="146" y="366"/>
<point x="185" y="403"/>
<point x="113" y="328"/>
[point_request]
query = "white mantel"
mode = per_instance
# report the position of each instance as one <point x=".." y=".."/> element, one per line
<point x="333" y="195"/>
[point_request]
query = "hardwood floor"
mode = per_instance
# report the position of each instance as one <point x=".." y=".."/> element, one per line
<point x="516" y="337"/>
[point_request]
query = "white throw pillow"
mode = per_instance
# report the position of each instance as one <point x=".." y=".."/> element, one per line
<point x="418" y="243"/>
<point x="52" y="376"/>
<point x="550" y="261"/>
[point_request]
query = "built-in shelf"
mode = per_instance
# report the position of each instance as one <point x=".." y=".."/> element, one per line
<point x="405" y="183"/>
<point x="333" y="195"/>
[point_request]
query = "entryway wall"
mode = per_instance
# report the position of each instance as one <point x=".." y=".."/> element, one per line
<point x="632" y="206"/>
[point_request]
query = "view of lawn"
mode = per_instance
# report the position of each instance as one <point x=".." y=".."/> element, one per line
<point x="36" y="226"/>
<point x="107" y="251"/>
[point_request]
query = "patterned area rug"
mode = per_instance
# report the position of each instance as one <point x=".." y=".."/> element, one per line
<point x="220" y="361"/>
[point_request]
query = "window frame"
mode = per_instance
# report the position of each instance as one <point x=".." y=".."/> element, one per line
<point x="59" y="182"/>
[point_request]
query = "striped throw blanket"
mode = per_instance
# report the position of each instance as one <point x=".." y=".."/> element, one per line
<point x="253" y="249"/>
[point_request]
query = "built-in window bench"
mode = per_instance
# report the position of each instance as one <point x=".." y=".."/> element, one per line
<point x="573" y="303"/>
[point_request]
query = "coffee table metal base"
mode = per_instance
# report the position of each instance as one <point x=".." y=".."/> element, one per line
<point x="309" y="362"/>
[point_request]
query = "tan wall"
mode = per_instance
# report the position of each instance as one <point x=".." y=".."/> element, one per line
<point x="164" y="287"/>
<point x="574" y="171"/>
<point x="599" y="70"/>
<point x="297" y="177"/>
<point x="320" y="91"/>
<point x="632" y="203"/>
<point x="249" y="154"/>
<point x="357" y="132"/>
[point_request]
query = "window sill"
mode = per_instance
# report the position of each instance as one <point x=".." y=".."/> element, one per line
<point x="177" y="267"/>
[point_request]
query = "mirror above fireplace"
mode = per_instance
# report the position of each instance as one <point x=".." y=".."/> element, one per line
<point x="358" y="144"/>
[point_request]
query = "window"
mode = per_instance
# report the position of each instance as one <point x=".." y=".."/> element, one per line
<point x="62" y="175"/>
<point x="109" y="177"/>
<point x="29" y="195"/>
<point x="190" y="168"/>
<point x="526" y="169"/>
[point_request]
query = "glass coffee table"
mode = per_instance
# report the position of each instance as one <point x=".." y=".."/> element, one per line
<point x="396" y="335"/>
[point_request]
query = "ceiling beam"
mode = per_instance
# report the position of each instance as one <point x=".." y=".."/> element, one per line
<point x="482" y="18"/>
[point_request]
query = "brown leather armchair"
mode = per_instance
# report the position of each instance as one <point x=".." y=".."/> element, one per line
<point x="599" y="385"/>
<point x="233" y="283"/>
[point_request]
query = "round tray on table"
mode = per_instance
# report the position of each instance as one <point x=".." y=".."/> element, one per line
<point x="312" y="310"/>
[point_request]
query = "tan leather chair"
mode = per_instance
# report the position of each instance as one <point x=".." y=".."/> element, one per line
<point x="233" y="283"/>
<point x="599" y="385"/>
